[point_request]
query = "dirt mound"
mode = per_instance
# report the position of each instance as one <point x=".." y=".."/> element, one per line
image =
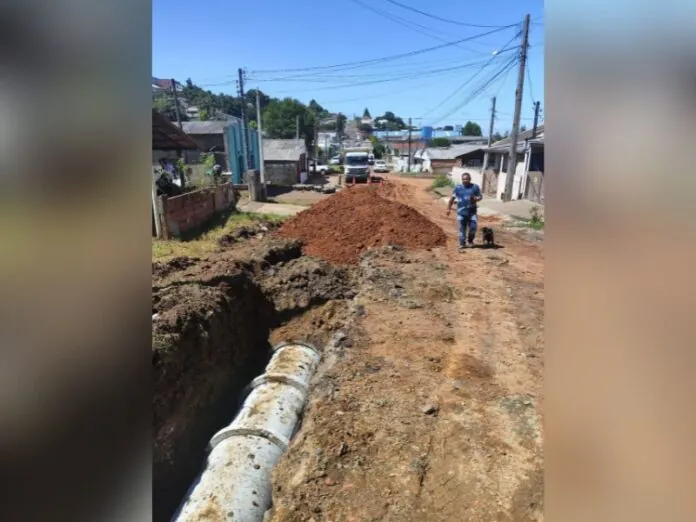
<point x="338" y="229"/>
<point x="174" y="265"/>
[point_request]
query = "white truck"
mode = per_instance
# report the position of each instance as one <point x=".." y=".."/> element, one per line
<point x="356" y="165"/>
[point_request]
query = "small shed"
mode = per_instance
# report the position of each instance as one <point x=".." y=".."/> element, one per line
<point x="284" y="160"/>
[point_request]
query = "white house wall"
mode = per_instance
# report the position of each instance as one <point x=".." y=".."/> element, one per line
<point x="476" y="175"/>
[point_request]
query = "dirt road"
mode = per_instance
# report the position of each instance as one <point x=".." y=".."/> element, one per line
<point x="432" y="408"/>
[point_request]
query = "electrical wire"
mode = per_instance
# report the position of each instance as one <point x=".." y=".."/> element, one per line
<point x="508" y="65"/>
<point x="446" y="20"/>
<point x="372" y="61"/>
<point x="409" y="24"/>
<point x="469" y="80"/>
<point x="531" y="89"/>
<point x="392" y="77"/>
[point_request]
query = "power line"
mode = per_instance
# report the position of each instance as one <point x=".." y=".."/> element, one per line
<point x="508" y="65"/>
<point x="446" y="20"/>
<point x="529" y="79"/>
<point x="409" y="24"/>
<point x="404" y="75"/>
<point x="385" y="58"/>
<point x="469" y="80"/>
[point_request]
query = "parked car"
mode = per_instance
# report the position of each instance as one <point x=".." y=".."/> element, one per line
<point x="318" y="168"/>
<point x="336" y="160"/>
<point x="380" y="166"/>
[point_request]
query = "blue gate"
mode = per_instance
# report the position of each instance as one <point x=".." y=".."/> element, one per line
<point x="235" y="150"/>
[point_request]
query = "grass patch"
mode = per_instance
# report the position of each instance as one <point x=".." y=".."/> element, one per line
<point x="441" y="181"/>
<point x="206" y="242"/>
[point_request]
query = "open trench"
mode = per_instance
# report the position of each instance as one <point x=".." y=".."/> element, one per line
<point x="214" y="323"/>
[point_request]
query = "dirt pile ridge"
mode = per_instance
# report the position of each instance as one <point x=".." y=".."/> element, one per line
<point x="338" y="229"/>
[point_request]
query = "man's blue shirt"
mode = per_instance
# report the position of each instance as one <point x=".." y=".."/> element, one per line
<point x="462" y="195"/>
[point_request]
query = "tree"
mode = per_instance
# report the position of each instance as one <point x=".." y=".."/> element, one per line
<point x="440" y="142"/>
<point x="389" y="121"/>
<point x="366" y="128"/>
<point x="497" y="137"/>
<point x="280" y="116"/>
<point x="341" y="124"/>
<point x="366" y="113"/>
<point x="448" y="128"/>
<point x="472" y="129"/>
<point x="523" y="128"/>
<point x="163" y="103"/>
<point x="317" y="109"/>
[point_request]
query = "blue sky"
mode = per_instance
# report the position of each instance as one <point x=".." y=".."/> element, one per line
<point x="207" y="40"/>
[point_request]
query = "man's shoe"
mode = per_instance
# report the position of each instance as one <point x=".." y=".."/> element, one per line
<point x="462" y="248"/>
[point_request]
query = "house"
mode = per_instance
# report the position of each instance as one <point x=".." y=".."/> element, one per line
<point x="161" y="85"/>
<point x="441" y="160"/>
<point x="529" y="169"/>
<point x="210" y="135"/>
<point x="283" y="161"/>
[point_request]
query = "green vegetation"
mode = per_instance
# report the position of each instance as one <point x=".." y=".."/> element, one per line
<point x="207" y="242"/>
<point x="536" y="219"/>
<point x="439" y="142"/>
<point x="472" y="129"/>
<point x="441" y="181"/>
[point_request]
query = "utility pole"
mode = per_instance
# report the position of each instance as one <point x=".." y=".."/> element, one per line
<point x="537" y="107"/>
<point x="259" y="131"/>
<point x="245" y="134"/>
<point x="512" y="160"/>
<point x="316" y="140"/>
<point x="409" y="145"/>
<point x="297" y="127"/>
<point x="490" y="135"/>
<point x="176" y="104"/>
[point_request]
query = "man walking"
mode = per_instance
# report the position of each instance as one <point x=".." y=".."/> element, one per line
<point x="466" y="194"/>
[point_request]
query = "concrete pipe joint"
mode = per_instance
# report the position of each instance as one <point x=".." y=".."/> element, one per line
<point x="236" y="482"/>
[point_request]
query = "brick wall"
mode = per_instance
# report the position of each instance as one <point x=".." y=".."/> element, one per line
<point x="192" y="210"/>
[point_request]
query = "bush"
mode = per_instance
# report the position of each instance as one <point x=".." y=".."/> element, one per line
<point x="441" y="180"/>
<point x="536" y="218"/>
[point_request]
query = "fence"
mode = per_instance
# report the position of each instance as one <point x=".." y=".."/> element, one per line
<point x="185" y="213"/>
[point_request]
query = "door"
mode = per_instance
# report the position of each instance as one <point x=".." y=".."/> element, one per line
<point x="490" y="183"/>
<point x="535" y="187"/>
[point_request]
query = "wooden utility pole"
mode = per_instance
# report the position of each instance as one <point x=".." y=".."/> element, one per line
<point x="176" y="104"/>
<point x="245" y="134"/>
<point x="490" y="136"/>
<point x="259" y="131"/>
<point x="512" y="160"/>
<point x="537" y="107"/>
<point x="409" y="146"/>
<point x="297" y="127"/>
<point x="316" y="139"/>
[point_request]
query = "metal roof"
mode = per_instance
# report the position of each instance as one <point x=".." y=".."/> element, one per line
<point x="168" y="136"/>
<point x="283" y="150"/>
<point x="205" y="127"/>
<point x="522" y="136"/>
<point x="452" y="152"/>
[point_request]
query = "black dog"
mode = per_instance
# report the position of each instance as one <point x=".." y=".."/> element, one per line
<point x="488" y="237"/>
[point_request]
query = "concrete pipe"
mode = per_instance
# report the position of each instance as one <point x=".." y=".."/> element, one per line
<point x="236" y="482"/>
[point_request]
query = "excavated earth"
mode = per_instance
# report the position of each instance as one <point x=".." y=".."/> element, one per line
<point x="427" y="403"/>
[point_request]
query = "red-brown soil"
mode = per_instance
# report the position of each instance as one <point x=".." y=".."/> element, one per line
<point x="338" y="229"/>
